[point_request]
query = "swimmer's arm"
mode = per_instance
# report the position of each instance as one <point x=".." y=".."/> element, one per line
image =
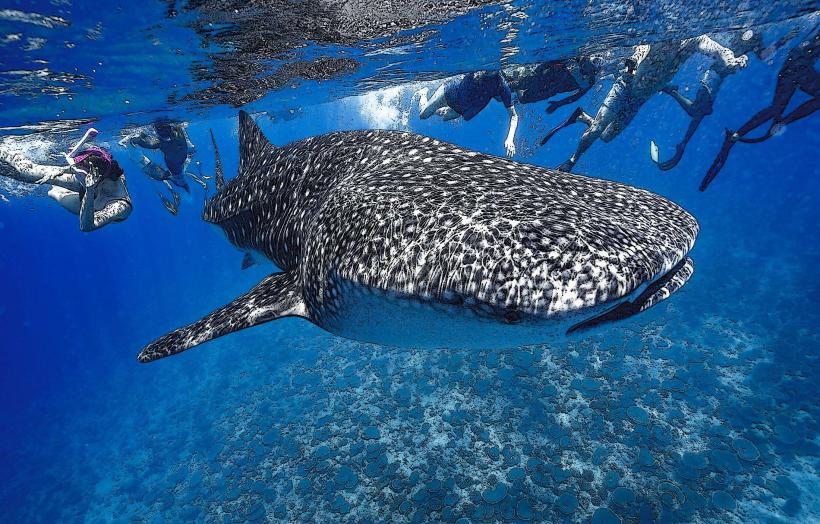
<point x="146" y="141"/>
<point x="509" y="144"/>
<point x="91" y="220"/>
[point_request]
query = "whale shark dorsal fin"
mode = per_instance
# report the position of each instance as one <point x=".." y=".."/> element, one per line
<point x="656" y="292"/>
<point x="277" y="296"/>
<point x="220" y="173"/>
<point x="253" y="144"/>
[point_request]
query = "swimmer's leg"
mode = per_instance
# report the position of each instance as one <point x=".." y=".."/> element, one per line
<point x="589" y="137"/>
<point x="18" y="167"/>
<point x="68" y="200"/>
<point x="576" y="116"/>
<point x="782" y="96"/>
<point x="198" y="181"/>
<point x="153" y="170"/>
<point x="429" y="106"/>
<point x="685" y="104"/>
<point x="802" y="111"/>
<point x="606" y="125"/>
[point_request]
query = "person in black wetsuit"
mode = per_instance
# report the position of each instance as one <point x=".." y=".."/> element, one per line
<point x="534" y="83"/>
<point x="797" y="72"/>
<point x="464" y="96"/>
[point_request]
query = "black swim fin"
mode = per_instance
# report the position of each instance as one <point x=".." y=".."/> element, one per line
<point x="277" y="296"/>
<point x="656" y="292"/>
<point x="720" y="160"/>
<point x="571" y="119"/>
<point x="171" y="206"/>
<point x="666" y="165"/>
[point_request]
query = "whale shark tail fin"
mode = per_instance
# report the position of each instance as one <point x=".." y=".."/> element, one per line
<point x="277" y="296"/>
<point x="220" y="173"/>
<point x="656" y="292"/>
<point x="254" y="146"/>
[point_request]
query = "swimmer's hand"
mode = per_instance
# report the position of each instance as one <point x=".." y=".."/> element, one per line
<point x="91" y="180"/>
<point x="739" y="62"/>
<point x="45" y="179"/>
<point x="509" y="146"/>
<point x="552" y="107"/>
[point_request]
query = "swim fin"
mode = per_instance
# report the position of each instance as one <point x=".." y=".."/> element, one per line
<point x="171" y="206"/>
<point x="571" y="119"/>
<point x="666" y="165"/>
<point x="653" y="151"/>
<point x="720" y="160"/>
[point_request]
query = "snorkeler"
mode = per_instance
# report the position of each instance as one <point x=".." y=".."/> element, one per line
<point x="797" y="72"/>
<point x="177" y="149"/>
<point x="534" y="83"/>
<point x="742" y="43"/>
<point x="466" y="95"/>
<point x="92" y="185"/>
<point x="646" y="72"/>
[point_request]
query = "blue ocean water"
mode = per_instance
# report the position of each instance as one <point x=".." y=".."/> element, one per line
<point x="702" y="409"/>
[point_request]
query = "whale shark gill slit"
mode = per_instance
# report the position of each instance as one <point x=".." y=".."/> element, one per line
<point x="277" y="296"/>
<point x="656" y="292"/>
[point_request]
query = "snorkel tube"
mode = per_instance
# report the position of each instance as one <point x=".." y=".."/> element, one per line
<point x="78" y="154"/>
<point x="89" y="135"/>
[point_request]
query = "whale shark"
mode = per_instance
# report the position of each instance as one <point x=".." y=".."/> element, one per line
<point x="400" y="239"/>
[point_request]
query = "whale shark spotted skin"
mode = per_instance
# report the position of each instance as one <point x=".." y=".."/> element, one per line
<point x="400" y="239"/>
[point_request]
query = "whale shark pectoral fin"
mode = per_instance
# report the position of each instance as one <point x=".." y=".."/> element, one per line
<point x="277" y="296"/>
<point x="655" y="293"/>
<point x="247" y="261"/>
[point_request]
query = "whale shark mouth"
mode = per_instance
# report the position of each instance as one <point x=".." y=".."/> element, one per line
<point x="656" y="292"/>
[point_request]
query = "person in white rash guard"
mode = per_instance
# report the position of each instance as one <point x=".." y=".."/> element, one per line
<point x="91" y="186"/>
<point x="647" y="72"/>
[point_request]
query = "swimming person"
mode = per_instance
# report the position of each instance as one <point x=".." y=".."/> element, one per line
<point x="798" y="72"/>
<point x="92" y="185"/>
<point x="742" y="43"/>
<point x="466" y="95"/>
<point x="646" y="72"/>
<point x="534" y="83"/>
<point x="177" y="150"/>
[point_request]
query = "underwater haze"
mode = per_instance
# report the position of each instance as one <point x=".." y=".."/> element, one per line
<point x="703" y="408"/>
